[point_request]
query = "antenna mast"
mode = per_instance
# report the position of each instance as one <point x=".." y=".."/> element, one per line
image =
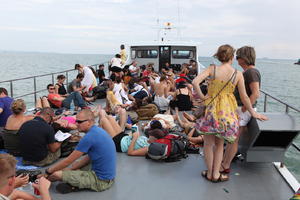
<point x="178" y="15"/>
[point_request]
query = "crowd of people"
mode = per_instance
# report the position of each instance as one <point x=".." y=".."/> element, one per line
<point x="132" y="93"/>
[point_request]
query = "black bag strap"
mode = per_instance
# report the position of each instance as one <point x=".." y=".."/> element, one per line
<point x="232" y="76"/>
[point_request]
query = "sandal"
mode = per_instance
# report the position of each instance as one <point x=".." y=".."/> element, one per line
<point x="65" y="188"/>
<point x="204" y="174"/>
<point x="225" y="171"/>
<point x="222" y="178"/>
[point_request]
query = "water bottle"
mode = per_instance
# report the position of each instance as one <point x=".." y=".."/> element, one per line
<point x="201" y="152"/>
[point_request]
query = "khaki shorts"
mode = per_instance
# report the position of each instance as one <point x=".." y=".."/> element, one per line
<point x="85" y="179"/>
<point x="51" y="158"/>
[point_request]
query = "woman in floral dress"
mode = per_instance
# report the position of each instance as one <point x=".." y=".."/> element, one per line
<point x="220" y="121"/>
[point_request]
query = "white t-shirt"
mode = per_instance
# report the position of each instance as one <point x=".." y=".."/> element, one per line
<point x="116" y="62"/>
<point x="88" y="79"/>
<point x="132" y="67"/>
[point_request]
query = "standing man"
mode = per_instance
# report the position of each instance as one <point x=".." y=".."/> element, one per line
<point x="246" y="59"/>
<point x="38" y="145"/>
<point x="123" y="54"/>
<point x="5" y="111"/>
<point x="97" y="169"/>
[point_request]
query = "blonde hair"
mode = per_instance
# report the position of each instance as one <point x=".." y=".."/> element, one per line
<point x="225" y="53"/>
<point x="246" y="53"/>
<point x="7" y="168"/>
<point x="18" y="106"/>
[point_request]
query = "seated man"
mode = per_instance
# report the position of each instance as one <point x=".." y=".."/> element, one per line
<point x="59" y="101"/>
<point x="101" y="157"/>
<point x="8" y="182"/>
<point x="75" y="85"/>
<point x="37" y="140"/>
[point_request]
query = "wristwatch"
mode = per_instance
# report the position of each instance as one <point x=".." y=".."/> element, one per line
<point x="46" y="172"/>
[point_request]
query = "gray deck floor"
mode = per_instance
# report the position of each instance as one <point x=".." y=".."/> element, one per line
<point x="139" y="178"/>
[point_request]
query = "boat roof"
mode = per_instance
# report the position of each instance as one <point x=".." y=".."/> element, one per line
<point x="166" y="43"/>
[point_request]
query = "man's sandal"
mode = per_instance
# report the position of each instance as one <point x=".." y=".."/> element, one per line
<point x="65" y="188"/>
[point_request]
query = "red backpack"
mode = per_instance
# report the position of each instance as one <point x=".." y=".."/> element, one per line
<point x="170" y="148"/>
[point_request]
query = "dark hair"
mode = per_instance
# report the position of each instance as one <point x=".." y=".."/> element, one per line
<point x="181" y="84"/>
<point x="77" y="66"/>
<point x="118" y="56"/>
<point x="47" y="111"/>
<point x="122" y="46"/>
<point x="3" y="90"/>
<point x="113" y="77"/>
<point x="246" y="53"/>
<point x="80" y="75"/>
<point x="61" y="76"/>
<point x="155" y="124"/>
<point x="157" y="133"/>
<point x="57" y="127"/>
<point x="49" y="85"/>
<point x="101" y="65"/>
<point x="118" y="79"/>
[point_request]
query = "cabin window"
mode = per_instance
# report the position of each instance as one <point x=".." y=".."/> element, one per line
<point x="133" y="56"/>
<point x="182" y="54"/>
<point x="147" y="53"/>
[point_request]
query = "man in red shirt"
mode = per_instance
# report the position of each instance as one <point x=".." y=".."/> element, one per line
<point x="59" y="101"/>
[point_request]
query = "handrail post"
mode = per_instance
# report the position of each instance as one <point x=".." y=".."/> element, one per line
<point x="265" y="103"/>
<point x="34" y="87"/>
<point x="286" y="108"/>
<point x="52" y="78"/>
<point x="11" y="89"/>
<point x="67" y="77"/>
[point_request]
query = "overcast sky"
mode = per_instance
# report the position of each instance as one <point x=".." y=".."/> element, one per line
<point x="100" y="26"/>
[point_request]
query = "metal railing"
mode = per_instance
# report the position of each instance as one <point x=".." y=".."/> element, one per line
<point x="287" y="109"/>
<point x="34" y="78"/>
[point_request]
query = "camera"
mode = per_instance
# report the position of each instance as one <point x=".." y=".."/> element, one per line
<point x="31" y="173"/>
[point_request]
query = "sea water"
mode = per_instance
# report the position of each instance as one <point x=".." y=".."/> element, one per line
<point x="280" y="78"/>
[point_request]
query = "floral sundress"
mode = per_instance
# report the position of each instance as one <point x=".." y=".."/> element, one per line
<point x="220" y="118"/>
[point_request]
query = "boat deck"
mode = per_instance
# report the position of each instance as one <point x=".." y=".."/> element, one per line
<point x="139" y="178"/>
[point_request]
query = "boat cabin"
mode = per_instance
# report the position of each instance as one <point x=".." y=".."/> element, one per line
<point x="160" y="54"/>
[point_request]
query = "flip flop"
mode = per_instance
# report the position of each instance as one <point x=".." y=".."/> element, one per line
<point x="204" y="174"/>
<point x="65" y="188"/>
<point x="225" y="171"/>
<point x="222" y="178"/>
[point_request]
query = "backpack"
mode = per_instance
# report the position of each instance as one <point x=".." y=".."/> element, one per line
<point x="147" y="112"/>
<point x="170" y="148"/>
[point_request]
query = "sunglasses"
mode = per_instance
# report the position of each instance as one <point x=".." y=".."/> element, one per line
<point x="51" y="88"/>
<point x="81" y="121"/>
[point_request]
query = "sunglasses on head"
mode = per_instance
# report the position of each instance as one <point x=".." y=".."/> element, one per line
<point x="80" y="121"/>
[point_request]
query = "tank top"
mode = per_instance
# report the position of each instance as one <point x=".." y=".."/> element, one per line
<point x="183" y="101"/>
<point x="61" y="89"/>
